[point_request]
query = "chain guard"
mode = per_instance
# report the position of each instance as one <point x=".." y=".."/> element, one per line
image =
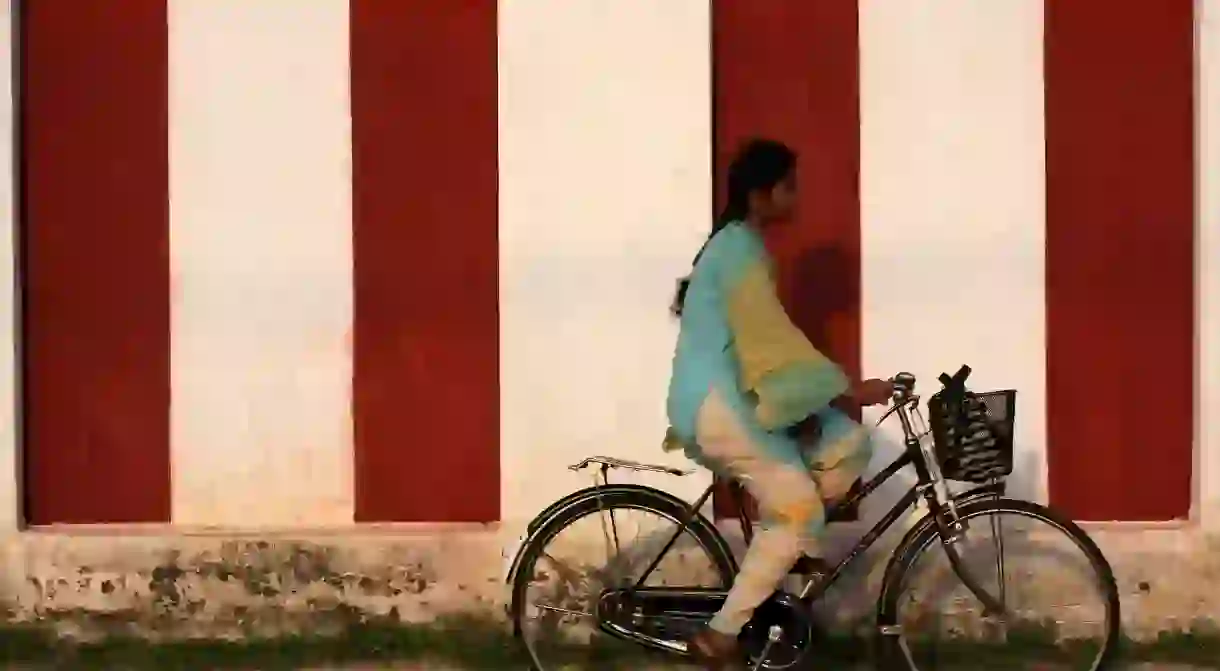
<point x="664" y="618"/>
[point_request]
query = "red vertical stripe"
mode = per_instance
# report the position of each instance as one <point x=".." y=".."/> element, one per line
<point x="96" y="274"/>
<point x="426" y="390"/>
<point x="1120" y="257"/>
<point x="789" y="71"/>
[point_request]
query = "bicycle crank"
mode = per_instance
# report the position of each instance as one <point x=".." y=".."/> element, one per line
<point x="773" y="636"/>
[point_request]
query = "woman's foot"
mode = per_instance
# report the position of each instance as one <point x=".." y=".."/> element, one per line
<point x="716" y="651"/>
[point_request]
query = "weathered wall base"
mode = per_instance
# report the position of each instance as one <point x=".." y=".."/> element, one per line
<point x="169" y="586"/>
<point x="229" y="587"/>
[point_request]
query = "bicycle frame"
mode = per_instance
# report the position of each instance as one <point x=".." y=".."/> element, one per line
<point x="929" y="480"/>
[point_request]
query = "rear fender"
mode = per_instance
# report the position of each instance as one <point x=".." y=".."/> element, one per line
<point x="557" y="508"/>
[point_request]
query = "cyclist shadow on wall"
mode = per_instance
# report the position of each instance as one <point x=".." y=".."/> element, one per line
<point x="820" y="287"/>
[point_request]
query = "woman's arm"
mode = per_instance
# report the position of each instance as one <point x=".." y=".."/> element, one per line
<point x="791" y="379"/>
<point x="865" y="392"/>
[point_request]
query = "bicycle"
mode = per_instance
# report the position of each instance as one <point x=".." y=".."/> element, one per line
<point x="781" y="633"/>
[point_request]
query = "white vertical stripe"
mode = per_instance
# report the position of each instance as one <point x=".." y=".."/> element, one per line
<point x="1208" y="258"/>
<point x="10" y="486"/>
<point x="605" y="196"/>
<point x="260" y="229"/>
<point x="952" y="200"/>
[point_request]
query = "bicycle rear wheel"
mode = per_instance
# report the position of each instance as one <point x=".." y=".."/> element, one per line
<point x="1061" y="605"/>
<point x="603" y="542"/>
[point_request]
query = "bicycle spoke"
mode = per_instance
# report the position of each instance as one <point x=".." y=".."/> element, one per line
<point x="565" y="611"/>
<point x="1066" y="622"/>
<point x="559" y="621"/>
<point x="997" y="527"/>
<point x="614" y="532"/>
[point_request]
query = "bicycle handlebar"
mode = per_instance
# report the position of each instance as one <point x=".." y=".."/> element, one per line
<point x="904" y="383"/>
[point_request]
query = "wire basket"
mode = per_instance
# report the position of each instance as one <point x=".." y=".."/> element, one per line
<point x="972" y="433"/>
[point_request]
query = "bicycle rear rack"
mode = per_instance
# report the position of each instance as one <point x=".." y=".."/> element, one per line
<point x="611" y="462"/>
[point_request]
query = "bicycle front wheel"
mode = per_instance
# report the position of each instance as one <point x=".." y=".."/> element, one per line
<point x="1059" y="597"/>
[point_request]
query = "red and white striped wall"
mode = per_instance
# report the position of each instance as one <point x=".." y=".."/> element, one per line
<point x="344" y="261"/>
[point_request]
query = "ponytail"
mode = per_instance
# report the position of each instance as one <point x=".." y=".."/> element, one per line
<point x="759" y="165"/>
<point x="728" y="215"/>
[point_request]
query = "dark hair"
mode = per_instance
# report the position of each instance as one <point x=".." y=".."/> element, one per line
<point x="759" y="165"/>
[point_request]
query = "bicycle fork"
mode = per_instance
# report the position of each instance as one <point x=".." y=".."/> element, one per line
<point x="935" y="489"/>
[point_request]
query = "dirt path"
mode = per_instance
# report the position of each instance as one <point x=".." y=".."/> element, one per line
<point x="418" y="667"/>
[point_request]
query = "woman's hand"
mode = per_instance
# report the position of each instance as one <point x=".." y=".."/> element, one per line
<point x="868" y="392"/>
<point x="873" y="392"/>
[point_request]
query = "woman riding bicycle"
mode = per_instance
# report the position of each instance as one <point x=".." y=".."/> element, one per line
<point x="752" y="399"/>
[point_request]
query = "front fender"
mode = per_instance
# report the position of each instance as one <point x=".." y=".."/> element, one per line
<point x="983" y="491"/>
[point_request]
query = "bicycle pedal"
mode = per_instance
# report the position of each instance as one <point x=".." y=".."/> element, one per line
<point x="774" y="634"/>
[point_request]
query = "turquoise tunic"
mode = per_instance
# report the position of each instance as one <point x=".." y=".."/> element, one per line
<point x="736" y="337"/>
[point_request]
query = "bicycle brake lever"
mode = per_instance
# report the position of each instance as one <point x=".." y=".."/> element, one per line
<point x="893" y="408"/>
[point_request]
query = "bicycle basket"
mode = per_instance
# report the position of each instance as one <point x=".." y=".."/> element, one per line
<point x="972" y="433"/>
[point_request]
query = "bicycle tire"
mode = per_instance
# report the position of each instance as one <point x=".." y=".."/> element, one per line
<point x="615" y="497"/>
<point x="890" y="654"/>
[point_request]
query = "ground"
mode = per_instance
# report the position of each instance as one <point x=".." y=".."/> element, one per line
<point x="425" y="667"/>
<point x="470" y="645"/>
